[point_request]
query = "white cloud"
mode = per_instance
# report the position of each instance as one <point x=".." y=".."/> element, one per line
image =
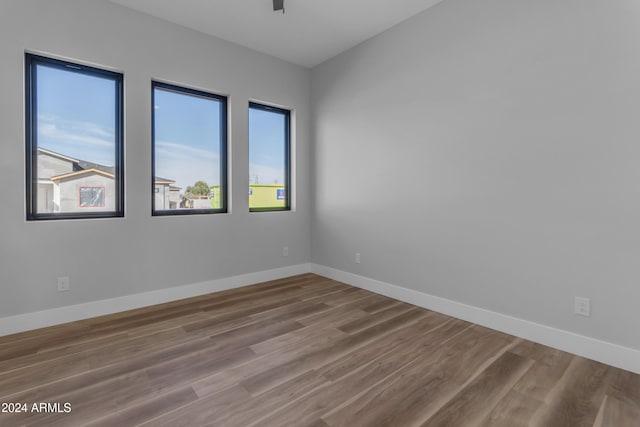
<point x="93" y="129"/>
<point x="182" y="151"/>
<point x="185" y="164"/>
<point x="74" y="132"/>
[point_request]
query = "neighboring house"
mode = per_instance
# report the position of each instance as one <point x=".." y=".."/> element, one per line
<point x="66" y="184"/>
<point x="84" y="190"/>
<point x="166" y="196"/>
<point x="51" y="164"/>
<point x="266" y="195"/>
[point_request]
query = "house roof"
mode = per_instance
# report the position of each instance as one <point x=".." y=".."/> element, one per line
<point x="58" y="155"/>
<point x="83" y="167"/>
<point x="83" y="164"/>
<point x="82" y="172"/>
<point x="79" y="164"/>
<point x="159" y="180"/>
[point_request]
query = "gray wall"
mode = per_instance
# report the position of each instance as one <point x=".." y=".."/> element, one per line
<point x="116" y="257"/>
<point x="483" y="151"/>
<point x="488" y="152"/>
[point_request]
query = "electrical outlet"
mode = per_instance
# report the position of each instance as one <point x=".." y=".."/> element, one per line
<point x="582" y="306"/>
<point x="357" y="257"/>
<point x="285" y="251"/>
<point x="63" y="284"/>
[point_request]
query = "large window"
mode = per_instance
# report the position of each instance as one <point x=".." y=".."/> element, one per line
<point x="269" y="158"/>
<point x="74" y="140"/>
<point x="189" y="151"/>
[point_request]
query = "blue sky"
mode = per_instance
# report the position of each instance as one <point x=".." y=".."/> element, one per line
<point x="187" y="135"/>
<point x="76" y="118"/>
<point x="266" y="147"/>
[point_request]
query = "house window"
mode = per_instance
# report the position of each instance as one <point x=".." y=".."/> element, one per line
<point x="91" y="197"/>
<point x="189" y="151"/>
<point x="74" y="116"/>
<point x="269" y="158"/>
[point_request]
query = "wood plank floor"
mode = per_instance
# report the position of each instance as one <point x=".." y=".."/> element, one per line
<point x="302" y="351"/>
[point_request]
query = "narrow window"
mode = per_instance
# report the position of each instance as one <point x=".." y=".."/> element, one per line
<point x="269" y="158"/>
<point x="189" y="151"/>
<point x="74" y="140"/>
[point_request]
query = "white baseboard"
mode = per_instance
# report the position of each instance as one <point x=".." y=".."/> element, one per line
<point x="55" y="316"/>
<point x="591" y="348"/>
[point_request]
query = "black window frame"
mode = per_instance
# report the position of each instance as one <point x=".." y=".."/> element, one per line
<point x="287" y="155"/>
<point x="31" y="132"/>
<point x="223" y="148"/>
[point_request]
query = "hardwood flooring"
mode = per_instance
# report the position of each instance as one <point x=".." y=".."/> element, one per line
<point x="301" y="351"/>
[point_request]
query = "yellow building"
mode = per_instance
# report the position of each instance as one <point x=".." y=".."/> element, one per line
<point x="267" y="196"/>
<point x="260" y="196"/>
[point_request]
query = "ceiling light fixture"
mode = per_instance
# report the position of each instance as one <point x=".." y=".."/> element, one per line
<point x="278" y="5"/>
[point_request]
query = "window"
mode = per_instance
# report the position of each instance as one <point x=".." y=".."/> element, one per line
<point x="189" y="151"/>
<point x="91" y="197"/>
<point x="74" y="140"/>
<point x="269" y="158"/>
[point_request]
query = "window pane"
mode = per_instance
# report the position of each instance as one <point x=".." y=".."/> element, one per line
<point x="74" y="136"/>
<point x="269" y="170"/>
<point x="189" y="140"/>
<point x="91" y="196"/>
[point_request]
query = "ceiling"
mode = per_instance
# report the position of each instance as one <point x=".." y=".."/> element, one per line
<point x="308" y="33"/>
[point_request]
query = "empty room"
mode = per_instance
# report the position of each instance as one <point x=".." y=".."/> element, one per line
<point x="320" y="213"/>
